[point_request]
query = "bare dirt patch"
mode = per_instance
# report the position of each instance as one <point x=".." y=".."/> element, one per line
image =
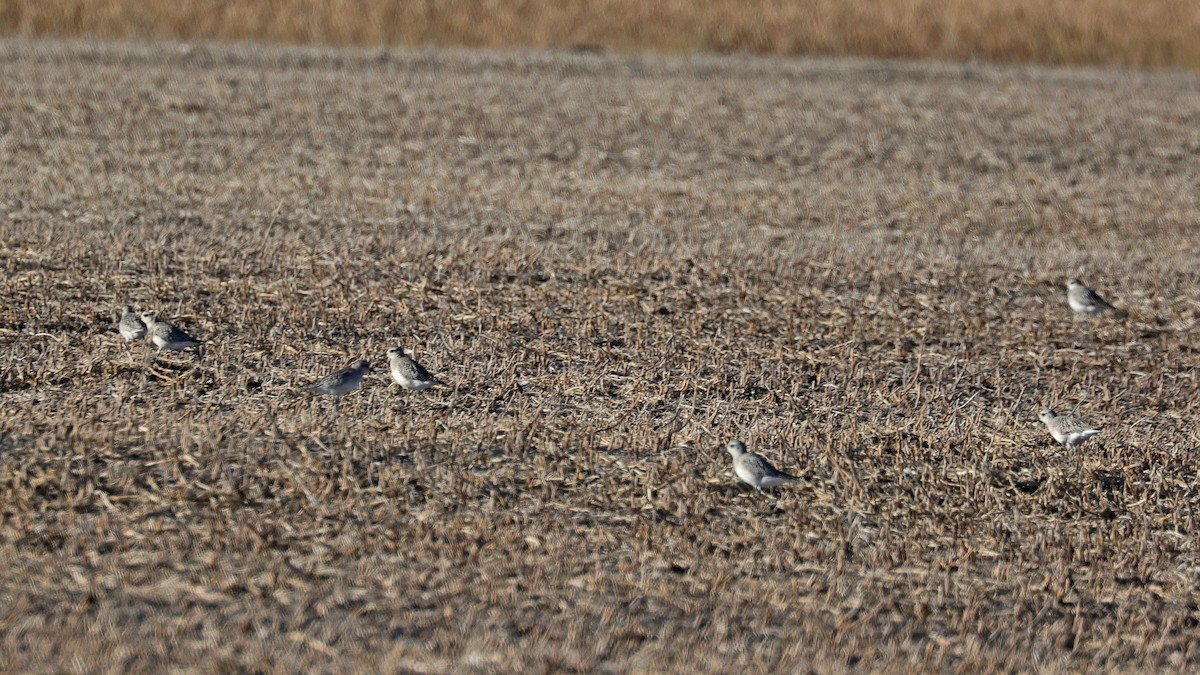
<point x="619" y="263"/>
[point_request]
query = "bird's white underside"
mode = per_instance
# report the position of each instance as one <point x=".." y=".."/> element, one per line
<point x="1084" y="308"/>
<point x="165" y="344"/>
<point x="757" y="480"/>
<point x="415" y="385"/>
<point x="1076" y="437"/>
<point x="745" y="475"/>
<point x="771" y="481"/>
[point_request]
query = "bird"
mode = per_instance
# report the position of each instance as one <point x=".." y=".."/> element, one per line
<point x="408" y="373"/>
<point x="1084" y="300"/>
<point x="1066" y="429"/>
<point x="130" y="326"/>
<point x="341" y="382"/>
<point x="166" y="335"/>
<point x="753" y="470"/>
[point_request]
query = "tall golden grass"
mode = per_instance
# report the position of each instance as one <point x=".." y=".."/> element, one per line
<point x="1156" y="33"/>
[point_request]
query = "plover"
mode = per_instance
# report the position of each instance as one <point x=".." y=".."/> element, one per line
<point x="342" y="382"/>
<point x="1068" y="430"/>
<point x="1084" y="300"/>
<point x="166" y="335"/>
<point x="130" y="326"/>
<point x="753" y="470"/>
<point x="408" y="373"/>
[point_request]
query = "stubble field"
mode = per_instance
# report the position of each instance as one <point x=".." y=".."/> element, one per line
<point x="618" y="263"/>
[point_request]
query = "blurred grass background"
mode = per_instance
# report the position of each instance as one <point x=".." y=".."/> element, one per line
<point x="1155" y="33"/>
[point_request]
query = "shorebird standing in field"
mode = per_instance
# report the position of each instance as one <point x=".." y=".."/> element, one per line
<point x="341" y="382"/>
<point x="166" y="335"/>
<point x="1066" y="429"/>
<point x="1084" y="300"/>
<point x="753" y="469"/>
<point x="408" y="373"/>
<point x="130" y="325"/>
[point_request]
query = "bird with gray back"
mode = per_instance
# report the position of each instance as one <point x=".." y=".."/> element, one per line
<point x="341" y="382"/>
<point x="408" y="373"/>
<point x="1066" y="429"/>
<point x="753" y="469"/>
<point x="166" y="335"/>
<point x="130" y="325"/>
<point x="1084" y="300"/>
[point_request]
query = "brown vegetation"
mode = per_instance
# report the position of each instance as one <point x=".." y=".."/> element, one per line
<point x="1151" y="33"/>
<point x="619" y="263"/>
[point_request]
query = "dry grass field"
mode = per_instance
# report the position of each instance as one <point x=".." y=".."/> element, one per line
<point x="1152" y="33"/>
<point x="619" y="263"/>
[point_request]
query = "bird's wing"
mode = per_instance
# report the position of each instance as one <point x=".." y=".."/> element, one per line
<point x="765" y="466"/>
<point x="415" y="371"/>
<point x="170" y="332"/>
<point x="330" y="380"/>
<point x="1074" y="425"/>
<point x="316" y="384"/>
<point x="131" y="322"/>
<point x="1094" y="298"/>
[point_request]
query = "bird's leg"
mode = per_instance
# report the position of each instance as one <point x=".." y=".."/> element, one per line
<point x="145" y="360"/>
